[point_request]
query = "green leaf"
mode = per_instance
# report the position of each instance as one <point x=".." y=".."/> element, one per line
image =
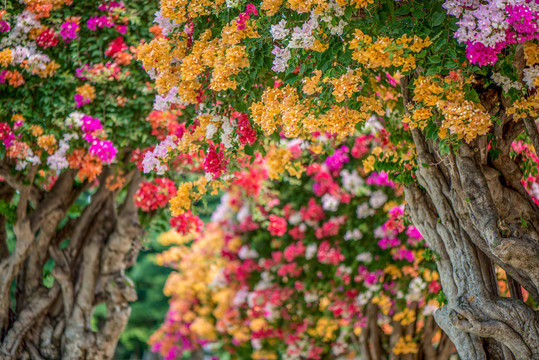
<point x="472" y="95"/>
<point x="431" y="131"/>
<point x="434" y="70"/>
<point x="435" y="59"/>
<point x="437" y="18"/>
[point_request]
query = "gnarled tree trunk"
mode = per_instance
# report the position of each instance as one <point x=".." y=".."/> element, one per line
<point x="371" y="344"/>
<point x="474" y="213"/>
<point x="54" y="323"/>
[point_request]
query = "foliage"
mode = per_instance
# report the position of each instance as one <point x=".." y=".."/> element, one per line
<point x="74" y="101"/>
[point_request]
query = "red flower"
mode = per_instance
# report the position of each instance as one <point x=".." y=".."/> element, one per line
<point x="245" y="131"/>
<point x="116" y="46"/>
<point x="328" y="255"/>
<point x="294" y="250"/>
<point x="277" y="226"/>
<point x="186" y="223"/>
<point x="47" y="38"/>
<point x="215" y="162"/>
<point x="152" y="196"/>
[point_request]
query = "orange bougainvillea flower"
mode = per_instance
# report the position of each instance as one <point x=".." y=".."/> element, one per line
<point x="18" y="150"/>
<point x="115" y="182"/>
<point x="14" y="78"/>
<point x="120" y="101"/>
<point x="156" y="31"/>
<point x="123" y="58"/>
<point x="47" y="142"/>
<point x="89" y="166"/>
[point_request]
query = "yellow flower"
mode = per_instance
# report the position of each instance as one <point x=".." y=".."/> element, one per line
<point x="47" y="142"/>
<point x="49" y="70"/>
<point x="318" y="46"/>
<point x="467" y="119"/>
<point x="295" y="169"/>
<point x="271" y="6"/>
<point x="531" y="53"/>
<point x="264" y="355"/>
<point x="361" y="3"/>
<point x="204" y="329"/>
<point x="241" y="334"/>
<point x="277" y="161"/>
<point x="172" y="237"/>
<point x="310" y="84"/>
<point x="87" y="91"/>
<point x="182" y="201"/>
<point x="368" y="163"/>
<point x="37" y="130"/>
<point x="383" y="302"/>
<point x="346" y="85"/>
<point x="393" y="271"/>
<point x="257" y="324"/>
<point x="186" y="195"/>
<point x="406" y="317"/>
<point x="325" y="328"/>
<point x="6" y="58"/>
<point x="405" y="345"/>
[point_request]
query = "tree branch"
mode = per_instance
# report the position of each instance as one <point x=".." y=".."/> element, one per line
<point x="61" y="196"/>
<point x="17" y="184"/>
<point x="27" y="318"/>
<point x="25" y="192"/>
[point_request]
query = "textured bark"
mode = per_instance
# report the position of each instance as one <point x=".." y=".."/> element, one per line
<point x="373" y="344"/>
<point x="43" y="323"/>
<point x="474" y="212"/>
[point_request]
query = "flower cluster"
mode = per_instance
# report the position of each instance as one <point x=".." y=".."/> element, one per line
<point x="293" y="267"/>
<point x="489" y="27"/>
<point x="36" y="38"/>
<point x="153" y="195"/>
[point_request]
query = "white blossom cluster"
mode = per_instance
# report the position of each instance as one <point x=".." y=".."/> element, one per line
<point x="330" y="203"/>
<point x="365" y="257"/>
<point x="353" y="235"/>
<point x="334" y="11"/>
<point x="377" y="199"/>
<point x="247" y="253"/>
<point x="282" y="55"/>
<point x="154" y="160"/>
<point x="363" y="211"/>
<point x="342" y="343"/>
<point x="228" y="136"/>
<point x="530" y="74"/>
<point x="416" y="289"/>
<point x="302" y="37"/>
<point x="29" y="158"/>
<point x="58" y="160"/>
<point x="232" y="3"/>
<point x="351" y="181"/>
<point x="163" y="102"/>
<point x="310" y="251"/>
<point x="25" y="22"/>
<point x="365" y="297"/>
<point x="23" y="49"/>
<point x="167" y="26"/>
<point x="505" y="82"/>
